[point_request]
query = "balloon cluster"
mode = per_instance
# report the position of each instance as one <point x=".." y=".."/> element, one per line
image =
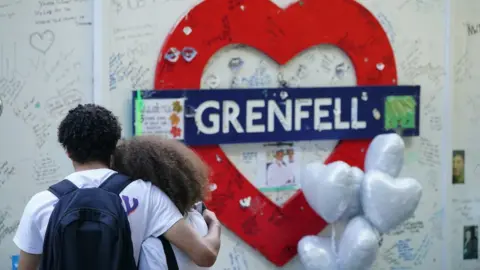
<point x="372" y="203"/>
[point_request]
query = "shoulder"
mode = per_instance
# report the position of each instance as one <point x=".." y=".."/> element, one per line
<point x="147" y="195"/>
<point x="34" y="222"/>
<point x="143" y="188"/>
<point x="40" y="202"/>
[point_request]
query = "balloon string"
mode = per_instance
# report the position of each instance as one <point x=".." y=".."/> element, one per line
<point x="333" y="240"/>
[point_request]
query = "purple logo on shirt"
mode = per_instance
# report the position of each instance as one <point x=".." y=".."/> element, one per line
<point x="129" y="208"/>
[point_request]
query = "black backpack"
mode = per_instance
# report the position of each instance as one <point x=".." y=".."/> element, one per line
<point x="89" y="228"/>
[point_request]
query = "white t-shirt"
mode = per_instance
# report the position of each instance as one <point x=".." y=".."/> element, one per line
<point x="150" y="211"/>
<point x="152" y="256"/>
<point x="278" y="174"/>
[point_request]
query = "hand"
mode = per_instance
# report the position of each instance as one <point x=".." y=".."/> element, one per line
<point x="210" y="217"/>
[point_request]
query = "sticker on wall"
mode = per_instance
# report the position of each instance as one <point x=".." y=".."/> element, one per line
<point x="281" y="34"/>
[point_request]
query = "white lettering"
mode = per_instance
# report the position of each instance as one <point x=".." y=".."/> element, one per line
<point x="318" y="114"/>
<point x="291" y="114"/>
<point x="284" y="119"/>
<point x="355" y="123"/>
<point x="252" y="116"/>
<point x="214" y="118"/>
<point x="231" y="111"/>
<point x="337" y="112"/>
<point x="299" y="113"/>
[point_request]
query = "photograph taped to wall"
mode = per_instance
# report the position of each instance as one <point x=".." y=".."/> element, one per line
<point x="281" y="169"/>
<point x="254" y="162"/>
<point x="458" y="167"/>
<point x="470" y="242"/>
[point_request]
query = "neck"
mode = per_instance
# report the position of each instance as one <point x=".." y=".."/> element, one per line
<point x="89" y="166"/>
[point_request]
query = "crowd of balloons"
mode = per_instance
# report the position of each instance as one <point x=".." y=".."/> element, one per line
<point x="371" y="202"/>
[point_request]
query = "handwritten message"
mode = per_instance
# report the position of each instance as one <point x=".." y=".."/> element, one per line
<point x="408" y="253"/>
<point x="6" y="228"/>
<point x="416" y="70"/>
<point x="238" y="260"/>
<point x="472" y="29"/>
<point x="430" y="153"/>
<point x="134" y="32"/>
<point x="46" y="170"/>
<point x="464" y="209"/>
<point x="11" y="87"/>
<point x="59" y="105"/>
<point x="65" y="11"/>
<point x="129" y="71"/>
<point x="7" y="170"/>
<point x="132" y="5"/>
<point x="7" y="8"/>
<point x="163" y="118"/>
<point x="28" y="113"/>
<point x="409" y="227"/>
<point x="249" y="157"/>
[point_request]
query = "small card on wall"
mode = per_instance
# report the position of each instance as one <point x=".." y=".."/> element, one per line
<point x="161" y="117"/>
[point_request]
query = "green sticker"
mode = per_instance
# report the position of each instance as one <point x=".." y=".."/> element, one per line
<point x="278" y="189"/>
<point x="400" y="112"/>
<point x="138" y="113"/>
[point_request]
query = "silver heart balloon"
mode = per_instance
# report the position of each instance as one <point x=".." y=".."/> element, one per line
<point x="358" y="246"/>
<point x="385" y="154"/>
<point x="355" y="206"/>
<point x="388" y="202"/>
<point x="316" y="253"/>
<point x="328" y="189"/>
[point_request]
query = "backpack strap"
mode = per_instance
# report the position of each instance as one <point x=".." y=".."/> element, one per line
<point x="169" y="255"/>
<point x="62" y="188"/>
<point x="115" y="183"/>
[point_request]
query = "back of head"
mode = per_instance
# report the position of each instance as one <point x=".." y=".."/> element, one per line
<point x="168" y="164"/>
<point x="89" y="133"/>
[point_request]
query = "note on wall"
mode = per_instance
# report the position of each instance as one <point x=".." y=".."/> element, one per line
<point x="163" y="117"/>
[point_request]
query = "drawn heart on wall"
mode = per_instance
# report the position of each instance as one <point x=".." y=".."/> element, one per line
<point x="42" y="42"/>
<point x="281" y="34"/>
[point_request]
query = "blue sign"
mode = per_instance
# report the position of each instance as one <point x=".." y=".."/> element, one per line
<point x="14" y="262"/>
<point x="211" y="117"/>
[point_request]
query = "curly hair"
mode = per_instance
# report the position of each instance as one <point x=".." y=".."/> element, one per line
<point x="89" y="133"/>
<point x="168" y="164"/>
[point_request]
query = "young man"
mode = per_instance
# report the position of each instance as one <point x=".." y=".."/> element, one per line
<point x="89" y="135"/>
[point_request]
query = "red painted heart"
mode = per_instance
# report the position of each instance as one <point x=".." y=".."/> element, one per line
<point x="281" y="34"/>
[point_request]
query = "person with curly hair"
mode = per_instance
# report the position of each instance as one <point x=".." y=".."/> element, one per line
<point x="89" y="134"/>
<point x="182" y="175"/>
